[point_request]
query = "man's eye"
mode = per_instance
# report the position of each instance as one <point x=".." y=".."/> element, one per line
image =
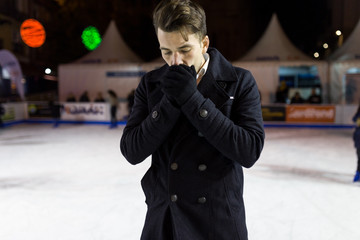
<point x="167" y="53"/>
<point x="185" y="50"/>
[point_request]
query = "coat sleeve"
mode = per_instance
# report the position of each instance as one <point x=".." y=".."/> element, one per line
<point x="239" y="137"/>
<point x="146" y="129"/>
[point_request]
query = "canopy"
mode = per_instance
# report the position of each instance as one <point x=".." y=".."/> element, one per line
<point x="273" y="50"/>
<point x="350" y="50"/>
<point x="112" y="65"/>
<point x="343" y="59"/>
<point x="112" y="49"/>
<point x="274" y="45"/>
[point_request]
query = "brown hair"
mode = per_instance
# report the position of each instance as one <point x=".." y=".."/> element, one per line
<point x="185" y="16"/>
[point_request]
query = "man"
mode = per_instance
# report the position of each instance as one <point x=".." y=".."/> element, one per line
<point x="200" y="119"/>
<point x="314" y="98"/>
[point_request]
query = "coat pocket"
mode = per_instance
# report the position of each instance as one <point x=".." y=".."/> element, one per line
<point x="233" y="191"/>
<point x="148" y="184"/>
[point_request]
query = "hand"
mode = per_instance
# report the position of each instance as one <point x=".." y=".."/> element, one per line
<point x="179" y="83"/>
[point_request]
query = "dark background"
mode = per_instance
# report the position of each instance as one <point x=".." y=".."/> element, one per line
<point x="233" y="26"/>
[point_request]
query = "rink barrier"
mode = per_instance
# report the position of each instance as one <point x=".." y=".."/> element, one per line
<point x="302" y="125"/>
<point x="51" y="121"/>
<point x="277" y="115"/>
<point x="266" y="124"/>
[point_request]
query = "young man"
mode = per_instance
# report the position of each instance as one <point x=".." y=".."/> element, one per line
<point x="200" y="119"/>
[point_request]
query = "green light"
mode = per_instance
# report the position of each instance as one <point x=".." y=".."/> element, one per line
<point x="91" y="38"/>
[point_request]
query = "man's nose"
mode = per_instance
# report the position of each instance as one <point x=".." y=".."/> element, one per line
<point x="176" y="59"/>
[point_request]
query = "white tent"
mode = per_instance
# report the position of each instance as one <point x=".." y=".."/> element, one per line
<point x="272" y="51"/>
<point x="274" y="45"/>
<point x="342" y="60"/>
<point x="113" y="49"/>
<point x="111" y="66"/>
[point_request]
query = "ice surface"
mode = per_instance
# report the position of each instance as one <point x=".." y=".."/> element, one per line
<point x="72" y="183"/>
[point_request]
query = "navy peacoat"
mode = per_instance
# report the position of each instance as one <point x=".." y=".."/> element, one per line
<point x="194" y="187"/>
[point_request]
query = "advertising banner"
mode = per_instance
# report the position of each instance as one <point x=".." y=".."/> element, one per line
<point x="85" y="112"/>
<point x="273" y="113"/>
<point x="310" y="113"/>
<point x="14" y="112"/>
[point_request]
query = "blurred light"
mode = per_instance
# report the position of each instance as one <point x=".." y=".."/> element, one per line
<point x="338" y="33"/>
<point x="50" y="77"/>
<point x="325" y="45"/>
<point x="47" y="71"/>
<point x="91" y="38"/>
<point x="5" y="73"/>
<point x="23" y="81"/>
<point x="316" y="55"/>
<point x="32" y="33"/>
<point x="353" y="70"/>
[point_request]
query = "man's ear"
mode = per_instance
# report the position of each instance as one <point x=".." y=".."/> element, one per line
<point x="205" y="44"/>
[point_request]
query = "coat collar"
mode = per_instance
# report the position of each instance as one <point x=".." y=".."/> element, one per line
<point x="214" y="84"/>
<point x="219" y="68"/>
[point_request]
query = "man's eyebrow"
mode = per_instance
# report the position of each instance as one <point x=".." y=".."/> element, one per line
<point x="181" y="47"/>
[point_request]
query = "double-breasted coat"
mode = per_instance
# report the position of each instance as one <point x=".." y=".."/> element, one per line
<point x="194" y="186"/>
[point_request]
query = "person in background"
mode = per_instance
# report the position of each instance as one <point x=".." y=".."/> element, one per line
<point x="114" y="104"/>
<point x="356" y="138"/>
<point x="130" y="99"/>
<point x="84" y="97"/>
<point x="99" y="98"/>
<point x="200" y="119"/>
<point x="70" y="97"/>
<point x="55" y="108"/>
<point x="282" y="93"/>
<point x="314" y="98"/>
<point x="297" y="98"/>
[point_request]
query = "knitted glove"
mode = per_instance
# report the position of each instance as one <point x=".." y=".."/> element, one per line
<point x="179" y="83"/>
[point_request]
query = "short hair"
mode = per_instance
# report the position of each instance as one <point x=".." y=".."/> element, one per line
<point x="185" y="16"/>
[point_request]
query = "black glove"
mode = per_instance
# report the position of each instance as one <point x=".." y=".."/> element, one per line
<point x="179" y="83"/>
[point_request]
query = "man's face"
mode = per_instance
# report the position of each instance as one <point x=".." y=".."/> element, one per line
<point x="175" y="50"/>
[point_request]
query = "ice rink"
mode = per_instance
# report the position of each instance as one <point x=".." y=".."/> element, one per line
<point x="72" y="183"/>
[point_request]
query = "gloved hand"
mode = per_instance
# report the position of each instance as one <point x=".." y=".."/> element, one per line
<point x="179" y="83"/>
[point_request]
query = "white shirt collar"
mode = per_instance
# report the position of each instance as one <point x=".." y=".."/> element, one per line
<point x="204" y="68"/>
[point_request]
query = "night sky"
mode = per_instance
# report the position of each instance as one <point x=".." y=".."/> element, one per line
<point x="233" y="26"/>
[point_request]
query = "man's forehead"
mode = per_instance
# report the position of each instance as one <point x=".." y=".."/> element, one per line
<point x="176" y="38"/>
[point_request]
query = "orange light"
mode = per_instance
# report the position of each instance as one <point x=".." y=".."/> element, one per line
<point x="32" y="33"/>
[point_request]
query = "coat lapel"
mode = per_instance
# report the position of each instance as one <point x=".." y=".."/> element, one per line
<point x="219" y="82"/>
<point x="210" y="88"/>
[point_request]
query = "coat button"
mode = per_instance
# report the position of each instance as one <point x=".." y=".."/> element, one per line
<point x="174" y="198"/>
<point x="203" y="113"/>
<point x="174" y="166"/>
<point x="202" y="200"/>
<point x="202" y="167"/>
<point x="154" y="114"/>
